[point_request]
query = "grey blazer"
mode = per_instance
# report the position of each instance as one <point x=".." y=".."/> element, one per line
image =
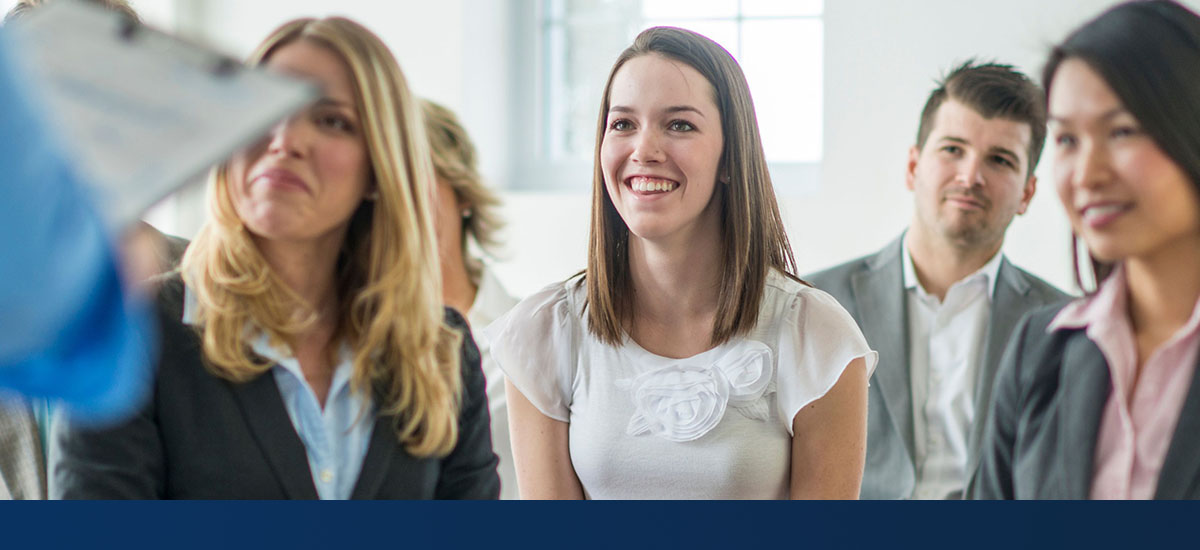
<point x="204" y="437"/>
<point x="871" y="288"/>
<point x="1040" y="441"/>
<point x="22" y="469"/>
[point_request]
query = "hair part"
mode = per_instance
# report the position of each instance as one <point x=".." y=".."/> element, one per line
<point x="456" y="163"/>
<point x="994" y="91"/>
<point x="1157" y="80"/>
<point x="753" y="237"/>
<point x="388" y="274"/>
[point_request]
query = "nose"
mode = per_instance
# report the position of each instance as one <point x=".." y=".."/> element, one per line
<point x="286" y="138"/>
<point x="1092" y="165"/>
<point x="647" y="148"/>
<point x="970" y="171"/>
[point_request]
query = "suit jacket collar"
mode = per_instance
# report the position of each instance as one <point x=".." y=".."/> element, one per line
<point x="263" y="408"/>
<point x="1085" y="385"/>
<point x="880" y="298"/>
<point x="1009" y="303"/>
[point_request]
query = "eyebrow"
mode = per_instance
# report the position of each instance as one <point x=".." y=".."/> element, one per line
<point x="993" y="150"/>
<point x="329" y="101"/>
<point x="669" y="110"/>
<point x="1108" y="115"/>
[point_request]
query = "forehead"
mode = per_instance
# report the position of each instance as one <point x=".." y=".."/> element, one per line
<point x="956" y="120"/>
<point x="316" y="63"/>
<point x="1080" y="92"/>
<point x="652" y="80"/>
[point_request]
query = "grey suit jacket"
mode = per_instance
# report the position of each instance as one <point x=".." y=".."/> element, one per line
<point x="871" y="288"/>
<point x="1040" y="442"/>
<point x="22" y="468"/>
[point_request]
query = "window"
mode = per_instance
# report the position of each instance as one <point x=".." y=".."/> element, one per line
<point x="779" y="44"/>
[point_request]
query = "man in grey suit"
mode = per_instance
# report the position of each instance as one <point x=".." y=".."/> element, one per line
<point x="939" y="302"/>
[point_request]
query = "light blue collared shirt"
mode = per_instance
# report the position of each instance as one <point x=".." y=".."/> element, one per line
<point x="335" y="438"/>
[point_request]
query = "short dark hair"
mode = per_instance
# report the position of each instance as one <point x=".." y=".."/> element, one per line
<point x="992" y="90"/>
<point x="1148" y="52"/>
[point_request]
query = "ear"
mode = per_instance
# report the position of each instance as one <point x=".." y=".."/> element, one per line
<point x="914" y="154"/>
<point x="1027" y="195"/>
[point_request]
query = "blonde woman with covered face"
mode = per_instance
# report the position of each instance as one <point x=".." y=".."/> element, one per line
<point x="306" y="351"/>
<point x="688" y="361"/>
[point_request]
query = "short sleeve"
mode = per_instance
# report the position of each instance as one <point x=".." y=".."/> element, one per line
<point x="819" y="339"/>
<point x="535" y="345"/>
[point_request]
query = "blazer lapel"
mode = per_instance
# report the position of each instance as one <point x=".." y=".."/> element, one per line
<point x="1008" y="305"/>
<point x="263" y="408"/>
<point x="1086" y="385"/>
<point x="1181" y="467"/>
<point x="880" y="298"/>
<point x="378" y="457"/>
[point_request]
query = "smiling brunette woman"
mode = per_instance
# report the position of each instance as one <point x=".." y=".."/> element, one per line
<point x="306" y="351"/>
<point x="688" y="361"/>
<point x="1099" y="399"/>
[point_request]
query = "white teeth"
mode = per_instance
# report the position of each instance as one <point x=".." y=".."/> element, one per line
<point x="651" y="185"/>
<point x="1100" y="211"/>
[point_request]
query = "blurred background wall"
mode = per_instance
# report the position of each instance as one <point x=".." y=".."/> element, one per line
<point x="841" y="83"/>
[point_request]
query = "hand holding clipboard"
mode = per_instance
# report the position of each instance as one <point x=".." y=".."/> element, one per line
<point x="142" y="113"/>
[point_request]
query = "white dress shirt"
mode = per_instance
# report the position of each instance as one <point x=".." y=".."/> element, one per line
<point x="946" y="344"/>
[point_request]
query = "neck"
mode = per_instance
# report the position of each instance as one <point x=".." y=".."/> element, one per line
<point x="308" y="268"/>
<point x="676" y="278"/>
<point x="940" y="263"/>
<point x="1164" y="286"/>
<point x="458" y="290"/>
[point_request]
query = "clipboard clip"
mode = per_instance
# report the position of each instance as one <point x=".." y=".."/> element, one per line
<point x="130" y="29"/>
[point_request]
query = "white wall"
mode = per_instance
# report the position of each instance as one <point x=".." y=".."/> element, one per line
<point x="881" y="57"/>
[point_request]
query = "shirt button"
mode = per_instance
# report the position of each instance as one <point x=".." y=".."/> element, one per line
<point x="326" y="475"/>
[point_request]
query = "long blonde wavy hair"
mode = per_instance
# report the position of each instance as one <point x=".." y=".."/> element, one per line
<point x="388" y="275"/>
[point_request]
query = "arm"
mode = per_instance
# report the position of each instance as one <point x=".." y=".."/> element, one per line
<point x="68" y="328"/>
<point x="540" y="451"/>
<point x="121" y="462"/>
<point x="829" y="444"/>
<point x="469" y="471"/>
<point x="993" y="478"/>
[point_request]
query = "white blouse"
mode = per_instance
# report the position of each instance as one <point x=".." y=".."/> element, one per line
<point x="716" y="425"/>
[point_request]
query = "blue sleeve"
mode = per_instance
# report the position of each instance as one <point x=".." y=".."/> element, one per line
<point x="69" y="330"/>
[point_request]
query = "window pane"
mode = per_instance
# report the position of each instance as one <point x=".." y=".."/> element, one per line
<point x="580" y="56"/>
<point x="781" y="8"/>
<point x="783" y="64"/>
<point x="664" y="9"/>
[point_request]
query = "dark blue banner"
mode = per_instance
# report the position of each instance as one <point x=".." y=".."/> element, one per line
<point x="571" y="525"/>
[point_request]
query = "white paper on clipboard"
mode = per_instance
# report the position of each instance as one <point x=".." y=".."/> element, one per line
<point x="143" y="113"/>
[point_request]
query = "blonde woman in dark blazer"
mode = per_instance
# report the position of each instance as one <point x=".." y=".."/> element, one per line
<point x="306" y="352"/>
<point x="1099" y="399"/>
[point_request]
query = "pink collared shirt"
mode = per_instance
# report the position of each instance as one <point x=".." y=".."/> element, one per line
<point x="1137" y="422"/>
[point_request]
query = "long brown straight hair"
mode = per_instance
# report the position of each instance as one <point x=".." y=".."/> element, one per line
<point x="753" y="237"/>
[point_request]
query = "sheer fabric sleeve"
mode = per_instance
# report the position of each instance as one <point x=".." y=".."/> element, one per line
<point x="818" y="341"/>
<point x="535" y="346"/>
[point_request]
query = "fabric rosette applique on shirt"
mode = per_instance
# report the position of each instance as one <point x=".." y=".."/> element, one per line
<point x="684" y="400"/>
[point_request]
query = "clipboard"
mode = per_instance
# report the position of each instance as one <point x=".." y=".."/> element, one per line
<point x="141" y="113"/>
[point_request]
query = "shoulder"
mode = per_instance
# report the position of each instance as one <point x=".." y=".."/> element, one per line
<point x="804" y="311"/>
<point x="546" y="311"/>
<point x="839" y="275"/>
<point x="1039" y="288"/>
